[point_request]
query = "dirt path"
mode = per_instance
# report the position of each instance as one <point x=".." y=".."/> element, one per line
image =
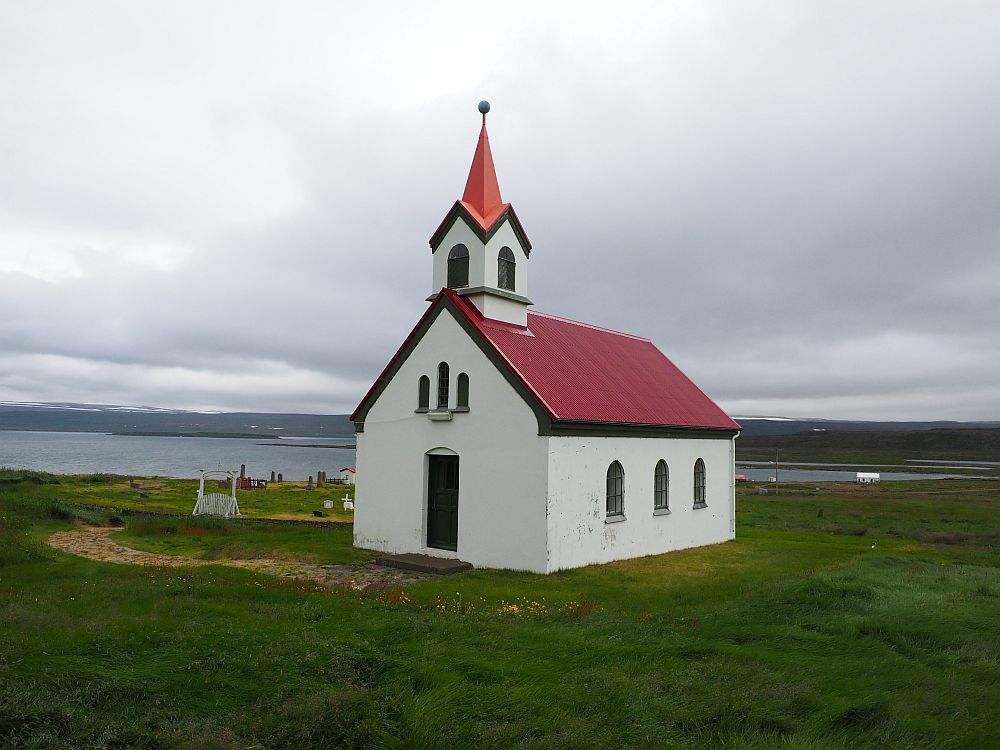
<point x="96" y="543"/>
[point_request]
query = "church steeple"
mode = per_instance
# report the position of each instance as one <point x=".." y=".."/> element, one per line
<point x="480" y="250"/>
<point x="482" y="190"/>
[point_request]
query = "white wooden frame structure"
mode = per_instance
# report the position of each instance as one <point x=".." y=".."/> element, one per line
<point x="215" y="503"/>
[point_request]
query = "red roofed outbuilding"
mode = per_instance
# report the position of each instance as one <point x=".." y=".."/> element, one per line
<point x="516" y="439"/>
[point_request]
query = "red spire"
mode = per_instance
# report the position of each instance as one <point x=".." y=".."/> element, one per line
<point x="482" y="191"/>
<point x="481" y="202"/>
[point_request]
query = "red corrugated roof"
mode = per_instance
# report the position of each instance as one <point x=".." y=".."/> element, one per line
<point x="576" y="372"/>
<point x="582" y="373"/>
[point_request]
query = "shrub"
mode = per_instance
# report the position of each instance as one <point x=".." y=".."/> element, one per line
<point x="59" y="512"/>
<point x="22" y="476"/>
<point x="100" y="479"/>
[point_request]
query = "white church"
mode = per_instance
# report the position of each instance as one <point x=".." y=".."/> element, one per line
<point x="509" y="438"/>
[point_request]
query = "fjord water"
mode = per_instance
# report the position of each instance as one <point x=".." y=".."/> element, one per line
<point x="829" y="475"/>
<point x="91" y="453"/>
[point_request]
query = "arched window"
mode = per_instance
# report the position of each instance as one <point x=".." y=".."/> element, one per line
<point x="699" y="484"/>
<point x="616" y="490"/>
<point x="463" y="391"/>
<point x="458" y="267"/>
<point x="443" y="386"/>
<point x="505" y="269"/>
<point x="424" y="393"/>
<point x="661" y="486"/>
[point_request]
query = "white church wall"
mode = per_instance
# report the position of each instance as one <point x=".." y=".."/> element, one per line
<point x="578" y="531"/>
<point x="499" y="308"/>
<point x="502" y="461"/>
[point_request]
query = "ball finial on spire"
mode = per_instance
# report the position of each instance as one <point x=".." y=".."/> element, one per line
<point x="484" y="106"/>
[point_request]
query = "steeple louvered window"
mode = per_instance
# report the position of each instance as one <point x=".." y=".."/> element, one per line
<point x="458" y="267"/>
<point x="506" y="266"/>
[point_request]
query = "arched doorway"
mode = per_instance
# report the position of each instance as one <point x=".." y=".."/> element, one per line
<point x="442" y="501"/>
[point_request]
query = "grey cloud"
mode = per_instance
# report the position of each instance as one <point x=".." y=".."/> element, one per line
<point x="798" y="205"/>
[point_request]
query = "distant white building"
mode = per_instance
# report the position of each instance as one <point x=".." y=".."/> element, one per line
<point x="868" y="477"/>
<point x="516" y="439"/>
<point x="347" y="474"/>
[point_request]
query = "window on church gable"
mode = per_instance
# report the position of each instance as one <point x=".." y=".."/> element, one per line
<point x="463" y="391"/>
<point x="442" y="402"/>
<point x="699" y="484"/>
<point x="506" y="266"/>
<point x="458" y="267"/>
<point x="616" y="490"/>
<point x="423" y="393"/>
<point x="661" y="486"/>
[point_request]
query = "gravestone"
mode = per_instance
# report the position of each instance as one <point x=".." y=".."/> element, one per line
<point x="280" y="478"/>
<point x="272" y="475"/>
<point x="309" y="486"/>
<point x="243" y="471"/>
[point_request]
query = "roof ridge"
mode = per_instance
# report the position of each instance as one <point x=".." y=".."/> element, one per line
<point x="587" y="325"/>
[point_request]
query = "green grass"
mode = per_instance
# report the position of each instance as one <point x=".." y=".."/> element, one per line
<point x="936" y="511"/>
<point x="797" y="635"/>
<point x="214" y="539"/>
<point x="287" y="500"/>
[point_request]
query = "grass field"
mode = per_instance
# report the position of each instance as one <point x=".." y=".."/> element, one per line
<point x="800" y="634"/>
<point x="217" y="539"/>
<point x="285" y="500"/>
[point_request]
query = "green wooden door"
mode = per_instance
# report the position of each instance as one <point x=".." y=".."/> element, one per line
<point x="442" y="502"/>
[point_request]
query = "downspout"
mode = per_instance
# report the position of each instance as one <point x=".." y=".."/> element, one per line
<point x="732" y="484"/>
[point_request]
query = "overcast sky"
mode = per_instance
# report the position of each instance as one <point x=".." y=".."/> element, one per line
<point x="227" y="205"/>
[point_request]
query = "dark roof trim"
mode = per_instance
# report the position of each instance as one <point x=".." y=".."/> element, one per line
<point x="430" y="314"/>
<point x="542" y="415"/>
<point x="484" y="235"/>
<point x="561" y="428"/>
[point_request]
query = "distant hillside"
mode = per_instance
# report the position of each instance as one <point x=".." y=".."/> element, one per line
<point x="107" y="418"/>
<point x="753" y="426"/>
<point x="72" y="417"/>
<point x="871" y="446"/>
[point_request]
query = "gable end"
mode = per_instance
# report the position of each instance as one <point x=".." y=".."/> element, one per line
<point x="404" y="351"/>
<point x="442" y="302"/>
